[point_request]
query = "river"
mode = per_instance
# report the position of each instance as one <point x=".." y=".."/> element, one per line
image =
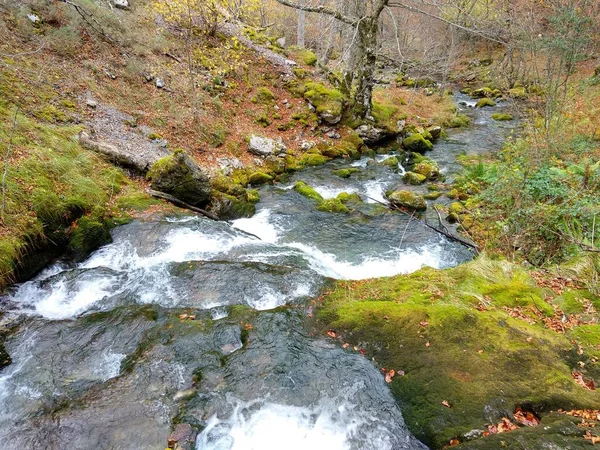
<point x="182" y="320"/>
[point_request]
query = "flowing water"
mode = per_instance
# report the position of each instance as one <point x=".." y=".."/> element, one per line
<point x="184" y="320"/>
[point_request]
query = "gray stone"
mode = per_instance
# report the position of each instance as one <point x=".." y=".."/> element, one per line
<point x="281" y="42"/>
<point x="306" y="145"/>
<point x="261" y="146"/>
<point x="333" y="134"/>
<point x="435" y="131"/>
<point x="121" y="4"/>
<point x="35" y="19"/>
<point x="91" y="103"/>
<point x="160" y="84"/>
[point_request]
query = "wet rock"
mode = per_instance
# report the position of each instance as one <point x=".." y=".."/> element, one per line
<point x="407" y="199"/>
<point x="182" y="438"/>
<point x="261" y="146"/>
<point x="417" y="143"/>
<point x="371" y="134"/>
<point x="186" y="394"/>
<point x="414" y="178"/>
<point x="484" y="102"/>
<point x="427" y="168"/>
<point x="435" y="131"/>
<point x="258" y="178"/>
<point x="181" y="177"/>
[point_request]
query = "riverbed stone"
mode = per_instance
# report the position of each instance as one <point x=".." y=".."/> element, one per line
<point x="407" y="199"/>
<point x="180" y="176"/>
<point x="417" y="143"/>
<point x="414" y="178"/>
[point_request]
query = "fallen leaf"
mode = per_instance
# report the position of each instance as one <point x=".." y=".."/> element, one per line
<point x="445" y="403"/>
<point x="480" y="351"/>
<point x="583" y="382"/>
<point x="590" y="437"/>
<point x="424" y="323"/>
<point x="526" y="418"/>
<point x="427" y="344"/>
<point x="346" y="345"/>
<point x="331" y="334"/>
<point x="248" y="327"/>
<point x="454" y="442"/>
<point x="389" y="376"/>
<point x="506" y="425"/>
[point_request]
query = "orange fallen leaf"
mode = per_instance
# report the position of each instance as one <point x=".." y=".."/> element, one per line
<point x="331" y="334"/>
<point x="583" y="382"/>
<point x="346" y="345"/>
<point x="454" y="442"/>
<point x="480" y="351"/>
<point x="248" y="327"/>
<point x="427" y="344"/>
<point x="445" y="403"/>
<point x="590" y="437"/>
<point x="526" y="418"/>
<point x="506" y="425"/>
<point x="389" y="376"/>
<point x="424" y="323"/>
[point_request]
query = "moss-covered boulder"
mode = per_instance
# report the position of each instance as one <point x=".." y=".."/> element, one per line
<point x="502" y="117"/>
<point x="229" y="207"/>
<point x="333" y="205"/>
<point x="481" y="92"/>
<point x="304" y="189"/>
<point x="485" y="102"/>
<point x="470" y="346"/>
<point x="179" y="176"/>
<point x="459" y="121"/>
<point x="88" y="234"/>
<point x="328" y="103"/>
<point x="346" y="197"/>
<point x="408" y="200"/>
<point x="432" y="195"/>
<point x="392" y="162"/>
<point x="429" y="169"/>
<point x="414" y="178"/>
<point x="313" y="159"/>
<point x="345" y="172"/>
<point x="417" y="143"/>
<point x="258" y="178"/>
<point x="253" y="196"/>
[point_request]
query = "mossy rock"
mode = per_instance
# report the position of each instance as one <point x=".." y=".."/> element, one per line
<point x="432" y="195"/>
<point x="87" y="235"/>
<point x="305" y="55"/>
<point x="482" y="92"/>
<point x="229" y="207"/>
<point x="304" y="189"/>
<point x="258" y="178"/>
<point x="328" y="103"/>
<point x="407" y="199"/>
<point x="392" y="162"/>
<point x="387" y="116"/>
<point x="427" y="168"/>
<point x="253" y="196"/>
<point x="313" y="159"/>
<point x="345" y="197"/>
<point x="459" y="121"/>
<point x="414" y="178"/>
<point x="518" y="92"/>
<point x="502" y="117"/>
<point x="456" y="208"/>
<point x="263" y="95"/>
<point x="180" y="176"/>
<point x="333" y="205"/>
<point x="345" y="173"/>
<point x="485" y="102"/>
<point x="482" y="362"/>
<point x="417" y="143"/>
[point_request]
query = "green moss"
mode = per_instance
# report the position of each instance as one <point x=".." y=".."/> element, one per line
<point x="345" y="197"/>
<point x="307" y="56"/>
<point x="485" y="102"/>
<point x="414" y="178"/>
<point x="154" y="136"/>
<point x="89" y="234"/>
<point x="482" y="92"/>
<point x="253" y="196"/>
<point x="502" y="117"/>
<point x="387" y="116"/>
<point x="300" y="73"/>
<point x="456" y="208"/>
<point x="50" y="113"/>
<point x="518" y="92"/>
<point x="313" y="159"/>
<point x="483" y="363"/>
<point x="257" y="178"/>
<point x="137" y="201"/>
<point x="391" y="162"/>
<point x="304" y="189"/>
<point x="432" y="195"/>
<point x="407" y="199"/>
<point x="429" y="169"/>
<point x="346" y="172"/>
<point x="417" y="143"/>
<point x="459" y="121"/>
<point x="328" y="102"/>
<point x="333" y="205"/>
<point x="263" y="95"/>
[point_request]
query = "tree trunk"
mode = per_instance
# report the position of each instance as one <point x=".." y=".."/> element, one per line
<point x="301" y="28"/>
<point x="367" y="48"/>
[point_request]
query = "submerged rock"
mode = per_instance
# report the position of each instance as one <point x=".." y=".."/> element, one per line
<point x="181" y="177"/>
<point x="407" y="199"/>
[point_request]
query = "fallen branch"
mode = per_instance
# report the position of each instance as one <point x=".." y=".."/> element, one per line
<point x="448" y="235"/>
<point x="172" y="56"/>
<point x="181" y="204"/>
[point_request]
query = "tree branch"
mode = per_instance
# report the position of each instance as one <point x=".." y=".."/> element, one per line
<point x="481" y="34"/>
<point x="321" y="10"/>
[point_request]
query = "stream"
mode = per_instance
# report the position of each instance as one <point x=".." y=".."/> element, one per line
<point x="185" y="320"/>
